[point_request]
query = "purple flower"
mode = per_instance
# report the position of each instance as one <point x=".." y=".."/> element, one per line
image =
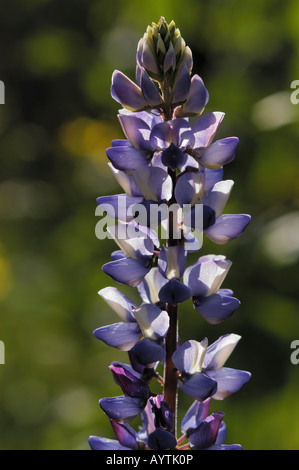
<point x="147" y="320"/>
<point x="204" y="279"/>
<point x="202" y="371"/>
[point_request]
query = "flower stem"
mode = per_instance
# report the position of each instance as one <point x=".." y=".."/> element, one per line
<point x="170" y="372"/>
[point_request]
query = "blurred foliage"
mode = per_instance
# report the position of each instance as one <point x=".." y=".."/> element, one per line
<point x="57" y="58"/>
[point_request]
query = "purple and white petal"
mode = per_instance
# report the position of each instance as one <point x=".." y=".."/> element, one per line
<point x="212" y="177"/>
<point x="218" y="196"/>
<point x="150" y="286"/>
<point x="126" y="181"/>
<point x="219" y="351"/>
<point x="136" y="248"/>
<point x="189" y="357"/>
<point x="204" y="131"/>
<point x="119" y="303"/>
<point x="122" y="408"/>
<point x="172" y="261"/>
<point x="205" y="276"/>
<point x="122" y="336"/>
<point x="216" y="308"/>
<point x="154" y="183"/>
<point x="189" y="188"/>
<point x="227" y="227"/>
<point x="153" y="321"/>
<point x="219" y="153"/>
<point x="126" y="92"/>
<point x="228" y="381"/>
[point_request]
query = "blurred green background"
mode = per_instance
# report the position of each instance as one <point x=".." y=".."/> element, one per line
<point x="57" y="58"/>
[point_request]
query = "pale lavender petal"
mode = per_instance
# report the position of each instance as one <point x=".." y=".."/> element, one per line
<point x="227" y="227"/>
<point x="155" y="183"/>
<point x="204" y="131"/>
<point x="127" y="270"/>
<point x="188" y="358"/>
<point x="172" y="261"/>
<point x="122" y="336"/>
<point x="150" y="286"/>
<point x="136" y="130"/>
<point x="119" y="206"/>
<point x="216" y="308"/>
<point x="126" y="181"/>
<point x="189" y="188"/>
<point x="102" y="443"/>
<point x="127" y="158"/>
<point x="126" y="92"/>
<point x="212" y="177"/>
<point x="219" y="153"/>
<point x="228" y="381"/>
<point x="219" y="351"/>
<point x="197" y="98"/>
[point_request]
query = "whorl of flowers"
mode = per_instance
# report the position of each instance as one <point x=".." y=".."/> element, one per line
<point x="165" y="161"/>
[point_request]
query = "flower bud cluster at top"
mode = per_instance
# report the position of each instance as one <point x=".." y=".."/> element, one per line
<point x="165" y="159"/>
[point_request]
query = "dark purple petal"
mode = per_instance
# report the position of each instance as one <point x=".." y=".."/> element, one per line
<point x="122" y="408"/>
<point x="119" y="303"/>
<point x="164" y="415"/>
<point x="161" y="439"/>
<point x="136" y="130"/>
<point x="197" y="98"/>
<point x="200" y="386"/>
<point x="127" y="270"/>
<point x="127" y="158"/>
<point x="126" y="435"/>
<point x="173" y="157"/>
<point x="228" y="381"/>
<point x="149" y="90"/>
<point x="204" y="436"/>
<point x="130" y="383"/>
<point x="174" y="292"/>
<point x="227" y="227"/>
<point x="216" y="308"/>
<point x="219" y="153"/>
<point x="126" y="92"/>
<point x="197" y="412"/>
<point x="119" y="206"/>
<point x="122" y="336"/>
<point x="120" y="143"/>
<point x="147" y="352"/>
<point x="204" y="131"/>
<point x="101" y="443"/>
<point x="182" y="85"/>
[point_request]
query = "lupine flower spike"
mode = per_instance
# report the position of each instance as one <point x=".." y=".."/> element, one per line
<point x="167" y="166"/>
